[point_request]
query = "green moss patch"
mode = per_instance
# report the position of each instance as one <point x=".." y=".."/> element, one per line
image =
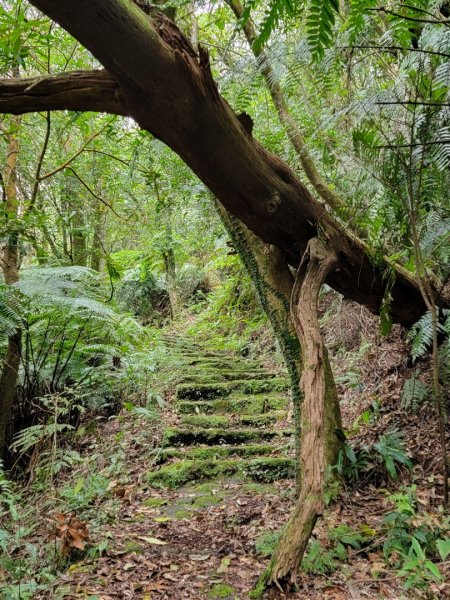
<point x="154" y="502"/>
<point x="260" y="469"/>
<point x="204" y="391"/>
<point x="207" y="500"/>
<point x="221" y="363"/>
<point x="259" y="488"/>
<point x="210" y="437"/>
<point x="222" y="590"/>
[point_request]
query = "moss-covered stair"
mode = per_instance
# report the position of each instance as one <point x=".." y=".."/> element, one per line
<point x="232" y="422"/>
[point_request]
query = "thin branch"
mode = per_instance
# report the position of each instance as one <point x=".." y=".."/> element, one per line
<point x="412" y="103"/>
<point x="66" y="163"/>
<point x="436" y="142"/>
<point x="91" y="191"/>
<point x="407" y="18"/>
<point x="388" y="48"/>
<point x="37" y="176"/>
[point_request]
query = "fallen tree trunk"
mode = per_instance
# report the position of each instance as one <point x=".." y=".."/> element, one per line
<point x="168" y="89"/>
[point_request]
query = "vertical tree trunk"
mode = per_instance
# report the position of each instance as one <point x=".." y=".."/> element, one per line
<point x="10" y="262"/>
<point x="171" y="281"/>
<point x="98" y="239"/>
<point x="320" y="443"/>
<point x="170" y="270"/>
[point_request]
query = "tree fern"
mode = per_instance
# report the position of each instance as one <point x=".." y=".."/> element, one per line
<point x="320" y="21"/>
<point x="274" y="13"/>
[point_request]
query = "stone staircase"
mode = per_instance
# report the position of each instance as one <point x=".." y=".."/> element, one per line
<point x="232" y="421"/>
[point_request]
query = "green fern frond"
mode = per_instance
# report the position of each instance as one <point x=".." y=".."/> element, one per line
<point x="274" y="13"/>
<point x="358" y="17"/>
<point x="414" y="393"/>
<point x="319" y="25"/>
<point x="421" y="336"/>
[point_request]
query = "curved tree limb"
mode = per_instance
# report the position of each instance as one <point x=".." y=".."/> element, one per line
<point x="170" y="92"/>
<point x="76" y="90"/>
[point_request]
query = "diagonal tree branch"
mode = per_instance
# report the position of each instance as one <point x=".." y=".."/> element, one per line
<point x="76" y="90"/>
<point x="170" y="92"/>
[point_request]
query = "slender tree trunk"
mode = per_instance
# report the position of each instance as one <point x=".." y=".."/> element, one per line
<point x="98" y="239"/>
<point x="320" y="443"/>
<point x="10" y="262"/>
<point x="170" y="269"/>
<point x="171" y="281"/>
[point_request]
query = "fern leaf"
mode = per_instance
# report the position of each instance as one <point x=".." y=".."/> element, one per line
<point x="319" y="25"/>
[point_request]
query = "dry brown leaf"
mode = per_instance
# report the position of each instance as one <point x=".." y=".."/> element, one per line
<point x="72" y="532"/>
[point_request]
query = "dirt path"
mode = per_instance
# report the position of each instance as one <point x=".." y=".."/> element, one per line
<point x="200" y="519"/>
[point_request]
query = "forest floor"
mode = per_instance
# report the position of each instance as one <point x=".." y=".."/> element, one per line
<point x="211" y="538"/>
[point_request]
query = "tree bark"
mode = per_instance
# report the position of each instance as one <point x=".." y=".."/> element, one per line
<point x="169" y="91"/>
<point x="77" y="90"/>
<point x="10" y="262"/>
<point x="319" y="440"/>
<point x="293" y="131"/>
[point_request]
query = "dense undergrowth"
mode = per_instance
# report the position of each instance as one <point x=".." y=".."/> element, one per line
<point x="103" y="396"/>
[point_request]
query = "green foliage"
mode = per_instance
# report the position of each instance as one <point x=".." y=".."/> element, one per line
<point x="10" y="307"/>
<point x="414" y="540"/>
<point x="414" y="393"/>
<point x="8" y="496"/>
<point x="421" y="336"/>
<point x="350" y="463"/>
<point x="320" y="20"/>
<point x="319" y="24"/>
<point x="320" y="559"/>
<point x="391" y="450"/>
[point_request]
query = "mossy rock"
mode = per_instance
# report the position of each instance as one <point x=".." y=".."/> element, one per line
<point x="236" y="403"/>
<point x="225" y="421"/>
<point x="211" y="437"/>
<point x="260" y="469"/>
<point x="213" y="452"/>
<point x="268" y="469"/>
<point x="204" y="391"/>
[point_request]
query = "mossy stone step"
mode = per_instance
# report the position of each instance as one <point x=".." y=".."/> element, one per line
<point x="217" y="376"/>
<point x="214" y="452"/>
<point x="221" y="363"/>
<point x="236" y="403"/>
<point x="235" y="421"/>
<point x="265" y="469"/>
<point x="203" y="391"/>
<point x="192" y="353"/>
<point x="178" y="436"/>
<point x="245" y="404"/>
